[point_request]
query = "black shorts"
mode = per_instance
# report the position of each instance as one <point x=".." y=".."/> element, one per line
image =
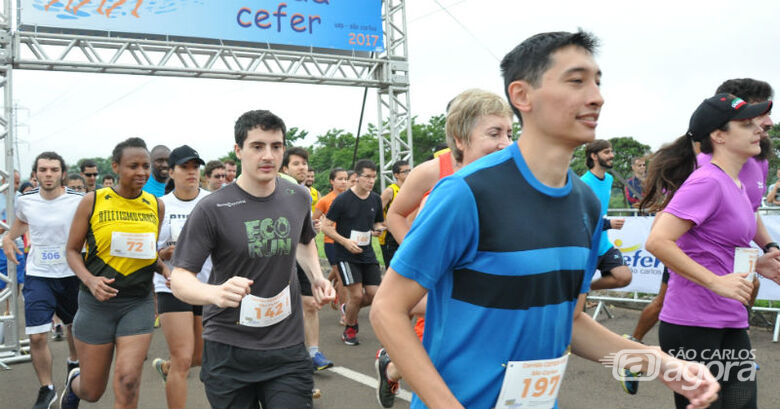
<point x="665" y="276"/>
<point x="167" y="302"/>
<point x="245" y="378"/>
<point x="304" y="281"/>
<point x="330" y="253"/>
<point x="354" y="273"/>
<point x="609" y="261"/>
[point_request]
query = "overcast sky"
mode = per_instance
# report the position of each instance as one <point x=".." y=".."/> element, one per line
<point x="659" y="60"/>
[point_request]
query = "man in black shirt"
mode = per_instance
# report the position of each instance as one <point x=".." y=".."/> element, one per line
<point x="353" y="218"/>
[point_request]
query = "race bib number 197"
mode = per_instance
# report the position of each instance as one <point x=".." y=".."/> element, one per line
<point x="532" y="384"/>
<point x="133" y="245"/>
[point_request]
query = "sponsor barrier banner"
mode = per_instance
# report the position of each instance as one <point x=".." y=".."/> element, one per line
<point x="647" y="269"/>
<point x="354" y="25"/>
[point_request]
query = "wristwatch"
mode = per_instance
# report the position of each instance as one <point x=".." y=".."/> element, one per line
<point x="770" y="245"/>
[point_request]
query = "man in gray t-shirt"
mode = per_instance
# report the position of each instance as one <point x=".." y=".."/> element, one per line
<point x="254" y="230"/>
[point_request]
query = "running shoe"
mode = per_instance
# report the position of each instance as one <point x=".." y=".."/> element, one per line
<point x="320" y="362"/>
<point x="69" y="400"/>
<point x="158" y="365"/>
<point x="386" y="389"/>
<point x="71" y="366"/>
<point x="59" y="334"/>
<point x="349" y="336"/>
<point x="316" y="393"/>
<point x="46" y="398"/>
<point x="628" y="381"/>
<point x="343" y="311"/>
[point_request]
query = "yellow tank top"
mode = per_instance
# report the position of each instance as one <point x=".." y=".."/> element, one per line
<point x="315" y="197"/>
<point x="395" y="188"/>
<point x="119" y="237"/>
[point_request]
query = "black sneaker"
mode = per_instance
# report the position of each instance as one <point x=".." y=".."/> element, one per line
<point x="71" y="366"/>
<point x="69" y="400"/>
<point x="386" y="389"/>
<point x="46" y="398"/>
<point x="59" y="334"/>
<point x="349" y="336"/>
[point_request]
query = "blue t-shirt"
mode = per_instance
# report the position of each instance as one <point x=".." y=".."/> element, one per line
<point x="603" y="190"/>
<point x="154" y="187"/>
<point x="504" y="259"/>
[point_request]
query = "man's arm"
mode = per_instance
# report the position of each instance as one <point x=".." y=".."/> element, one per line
<point x="390" y="318"/>
<point x="421" y="179"/>
<point x="329" y="228"/>
<point x="387" y="196"/>
<point x="768" y="264"/>
<point x="593" y="341"/>
<point x="770" y="197"/>
<point x="9" y="245"/>
<point x="186" y="287"/>
<point x="306" y="255"/>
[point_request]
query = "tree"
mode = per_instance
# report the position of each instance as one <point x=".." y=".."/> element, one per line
<point x="625" y="148"/>
<point x="295" y="136"/>
<point x="103" y="165"/>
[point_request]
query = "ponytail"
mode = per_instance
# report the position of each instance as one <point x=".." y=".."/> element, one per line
<point x="669" y="167"/>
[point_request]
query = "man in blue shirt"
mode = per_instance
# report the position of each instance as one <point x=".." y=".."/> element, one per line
<point x="159" y="177"/>
<point x="614" y="273"/>
<point x="507" y="283"/>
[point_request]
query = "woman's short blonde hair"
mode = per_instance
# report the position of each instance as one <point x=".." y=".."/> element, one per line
<point x="465" y="111"/>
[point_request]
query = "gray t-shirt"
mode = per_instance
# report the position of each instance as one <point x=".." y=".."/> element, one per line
<point x="256" y="238"/>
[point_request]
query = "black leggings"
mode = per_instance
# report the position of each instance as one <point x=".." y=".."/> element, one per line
<point x="727" y="354"/>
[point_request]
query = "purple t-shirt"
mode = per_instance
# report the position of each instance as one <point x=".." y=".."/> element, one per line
<point x="753" y="175"/>
<point x="723" y="219"/>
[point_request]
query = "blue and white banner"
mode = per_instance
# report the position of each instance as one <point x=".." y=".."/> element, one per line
<point x="647" y="269"/>
<point x="354" y="25"/>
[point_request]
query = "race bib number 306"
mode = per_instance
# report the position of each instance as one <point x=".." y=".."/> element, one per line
<point x="133" y="245"/>
<point x="49" y="255"/>
<point x="532" y="384"/>
<point x="264" y="312"/>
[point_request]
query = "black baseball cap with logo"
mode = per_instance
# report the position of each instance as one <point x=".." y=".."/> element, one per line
<point x="182" y="155"/>
<point x="716" y="111"/>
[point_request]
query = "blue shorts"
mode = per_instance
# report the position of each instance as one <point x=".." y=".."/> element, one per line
<point x="44" y="296"/>
<point x="20" y="268"/>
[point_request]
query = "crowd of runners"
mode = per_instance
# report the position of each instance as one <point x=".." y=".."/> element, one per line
<point x="490" y="248"/>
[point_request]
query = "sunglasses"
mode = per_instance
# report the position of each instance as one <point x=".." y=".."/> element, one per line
<point x="90" y="175"/>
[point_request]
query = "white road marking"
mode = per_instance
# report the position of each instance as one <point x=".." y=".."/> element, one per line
<point x="367" y="380"/>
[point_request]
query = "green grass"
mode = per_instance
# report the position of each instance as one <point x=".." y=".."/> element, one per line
<point x="374" y="244"/>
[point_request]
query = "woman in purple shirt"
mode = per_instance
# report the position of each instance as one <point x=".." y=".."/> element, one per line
<point x="705" y="214"/>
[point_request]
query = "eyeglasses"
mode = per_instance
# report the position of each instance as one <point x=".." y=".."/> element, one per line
<point x="90" y="175"/>
<point x="219" y="176"/>
<point x="405" y="171"/>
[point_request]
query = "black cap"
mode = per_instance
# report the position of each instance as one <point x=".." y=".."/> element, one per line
<point x="182" y="155"/>
<point x="715" y="111"/>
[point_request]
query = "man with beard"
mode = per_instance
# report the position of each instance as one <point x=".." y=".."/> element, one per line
<point x="614" y="273"/>
<point x="156" y="184"/>
<point x="51" y="286"/>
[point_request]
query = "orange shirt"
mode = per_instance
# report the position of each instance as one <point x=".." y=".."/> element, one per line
<point x="323" y="205"/>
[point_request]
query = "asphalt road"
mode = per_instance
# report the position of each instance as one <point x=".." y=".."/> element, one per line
<point x="586" y="384"/>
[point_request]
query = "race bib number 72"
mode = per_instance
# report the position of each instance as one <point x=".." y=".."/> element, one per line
<point x="133" y="245"/>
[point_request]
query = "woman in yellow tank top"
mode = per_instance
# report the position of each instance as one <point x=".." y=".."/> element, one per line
<point x="120" y="225"/>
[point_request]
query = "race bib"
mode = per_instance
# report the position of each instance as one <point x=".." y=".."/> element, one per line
<point x="264" y="312"/>
<point x="745" y="260"/>
<point x="133" y="245"/>
<point x="176" y="226"/>
<point x="49" y="255"/>
<point x="532" y="384"/>
<point x="362" y="238"/>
